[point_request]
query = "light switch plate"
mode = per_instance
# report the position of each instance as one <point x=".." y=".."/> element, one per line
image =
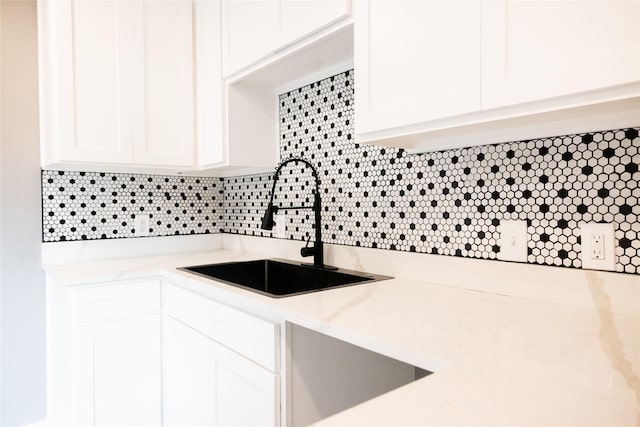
<point x="598" y="246"/>
<point x="513" y="241"/>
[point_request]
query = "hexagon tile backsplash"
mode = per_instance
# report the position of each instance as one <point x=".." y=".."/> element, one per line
<point x="90" y="205"/>
<point x="449" y="202"/>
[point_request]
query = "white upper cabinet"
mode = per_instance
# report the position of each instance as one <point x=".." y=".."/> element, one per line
<point x="209" y="96"/>
<point x="300" y="18"/>
<point x="86" y="109"/>
<point x="254" y="29"/>
<point x="415" y="61"/>
<point x="267" y="45"/>
<point x="116" y="82"/>
<point x="218" y="150"/>
<point x="534" y="50"/>
<point x="166" y="134"/>
<point x="251" y="31"/>
<point x="441" y="74"/>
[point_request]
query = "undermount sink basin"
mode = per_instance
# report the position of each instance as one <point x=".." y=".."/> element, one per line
<point x="280" y="278"/>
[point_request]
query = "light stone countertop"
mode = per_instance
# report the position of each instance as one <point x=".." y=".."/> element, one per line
<point x="497" y="359"/>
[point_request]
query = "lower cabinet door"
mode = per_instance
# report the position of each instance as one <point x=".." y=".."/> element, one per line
<point x="206" y="384"/>
<point x="118" y="368"/>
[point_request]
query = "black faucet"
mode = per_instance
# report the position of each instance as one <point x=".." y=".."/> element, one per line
<point x="267" y="220"/>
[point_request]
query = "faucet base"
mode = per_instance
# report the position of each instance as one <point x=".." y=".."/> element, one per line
<point x="324" y="266"/>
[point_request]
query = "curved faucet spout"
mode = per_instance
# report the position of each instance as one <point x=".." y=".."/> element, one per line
<point x="267" y="220"/>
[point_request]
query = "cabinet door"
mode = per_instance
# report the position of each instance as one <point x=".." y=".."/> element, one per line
<point x="117" y="373"/>
<point x="253" y="29"/>
<point x="211" y="147"/>
<point x="188" y="373"/>
<point x="300" y="18"/>
<point x="205" y="384"/>
<point x="117" y="82"/>
<point x="115" y="354"/>
<point x="534" y="49"/>
<point x="87" y="104"/>
<point x="164" y="133"/>
<point x="250" y="30"/>
<point x="415" y="61"/>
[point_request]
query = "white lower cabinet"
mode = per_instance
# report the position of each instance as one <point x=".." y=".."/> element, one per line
<point x="125" y="354"/>
<point x="146" y="353"/>
<point x="220" y="365"/>
<point x="118" y="373"/>
<point x="115" y="355"/>
<point x="206" y="384"/>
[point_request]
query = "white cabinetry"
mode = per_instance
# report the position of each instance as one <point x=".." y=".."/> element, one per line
<point x="166" y="119"/>
<point x="115" y="355"/>
<point x="220" y="150"/>
<point x="220" y="365"/>
<point x="435" y="75"/>
<point x="206" y="384"/>
<point x="253" y="29"/>
<point x="299" y="18"/>
<point x="116" y="359"/>
<point x="250" y="31"/>
<point x="415" y="61"/>
<point x="116" y="83"/>
<point x="211" y="142"/>
<point x="534" y="50"/>
<point x="267" y="46"/>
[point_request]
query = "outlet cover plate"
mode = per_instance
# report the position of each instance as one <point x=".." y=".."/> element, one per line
<point x="513" y="241"/>
<point x="608" y="261"/>
<point x="280" y="230"/>
<point x="141" y="225"/>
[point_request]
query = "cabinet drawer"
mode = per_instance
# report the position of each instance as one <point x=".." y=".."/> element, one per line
<point x="115" y="300"/>
<point x="257" y="339"/>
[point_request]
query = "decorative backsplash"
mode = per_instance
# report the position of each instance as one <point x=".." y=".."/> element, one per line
<point x="88" y="205"/>
<point x="449" y="202"/>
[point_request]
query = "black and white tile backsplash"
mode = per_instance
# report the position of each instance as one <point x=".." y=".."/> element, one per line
<point x="449" y="202"/>
<point x="88" y="205"/>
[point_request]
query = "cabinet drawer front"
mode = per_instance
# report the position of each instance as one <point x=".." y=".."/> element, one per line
<point x="116" y="300"/>
<point x="250" y="336"/>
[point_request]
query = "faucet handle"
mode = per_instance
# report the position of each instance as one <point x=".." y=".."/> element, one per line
<point x="307" y="251"/>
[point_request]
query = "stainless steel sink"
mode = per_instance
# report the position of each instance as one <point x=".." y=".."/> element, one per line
<point x="280" y="278"/>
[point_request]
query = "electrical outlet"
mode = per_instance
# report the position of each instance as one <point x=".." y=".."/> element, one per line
<point x="598" y="246"/>
<point x="141" y="225"/>
<point x="513" y="241"/>
<point x="280" y="229"/>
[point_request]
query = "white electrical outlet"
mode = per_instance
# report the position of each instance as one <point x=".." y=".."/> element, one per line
<point x="513" y="241"/>
<point x="598" y="246"/>
<point x="280" y="229"/>
<point x="141" y="225"/>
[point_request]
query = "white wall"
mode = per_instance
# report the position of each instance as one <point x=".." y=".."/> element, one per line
<point x="22" y="289"/>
